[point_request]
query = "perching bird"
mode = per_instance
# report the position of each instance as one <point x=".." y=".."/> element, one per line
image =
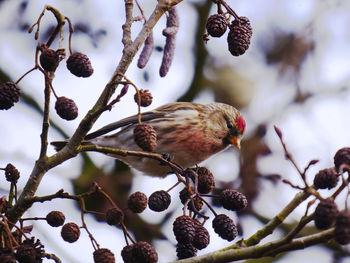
<point x="187" y="132"/>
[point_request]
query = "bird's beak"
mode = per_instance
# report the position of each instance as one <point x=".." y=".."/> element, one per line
<point x="236" y="141"/>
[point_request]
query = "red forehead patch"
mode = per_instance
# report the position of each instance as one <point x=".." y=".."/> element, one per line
<point x="240" y="124"/>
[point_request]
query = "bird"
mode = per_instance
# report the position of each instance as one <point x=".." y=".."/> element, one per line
<point x="187" y="132"/>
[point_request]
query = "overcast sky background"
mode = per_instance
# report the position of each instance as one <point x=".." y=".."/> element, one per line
<point x="312" y="130"/>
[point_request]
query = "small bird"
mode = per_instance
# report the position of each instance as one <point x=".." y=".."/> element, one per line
<point x="187" y="132"/>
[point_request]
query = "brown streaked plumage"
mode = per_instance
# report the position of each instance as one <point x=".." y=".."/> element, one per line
<point x="188" y="132"/>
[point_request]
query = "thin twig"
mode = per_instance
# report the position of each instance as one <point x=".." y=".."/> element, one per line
<point x="53" y="257"/>
<point x="108" y="150"/>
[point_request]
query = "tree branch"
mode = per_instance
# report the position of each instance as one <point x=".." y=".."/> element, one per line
<point x="277" y="220"/>
<point x="269" y="249"/>
<point x="71" y="149"/>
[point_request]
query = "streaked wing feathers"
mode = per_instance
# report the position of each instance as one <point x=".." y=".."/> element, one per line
<point x="147" y="116"/>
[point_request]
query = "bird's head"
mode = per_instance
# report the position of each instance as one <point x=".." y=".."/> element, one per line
<point x="236" y="129"/>
<point x="229" y="124"/>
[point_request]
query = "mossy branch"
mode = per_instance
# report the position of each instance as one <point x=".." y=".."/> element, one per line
<point x="270" y="249"/>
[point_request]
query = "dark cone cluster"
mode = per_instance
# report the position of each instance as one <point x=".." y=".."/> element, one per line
<point x="195" y="204"/>
<point x="126" y="254"/>
<point x="225" y="227"/>
<point x="66" y="108"/>
<point x="79" y="65"/>
<point x="206" y="181"/>
<point x="137" y="202"/>
<point x="216" y="25"/>
<point x="326" y="178"/>
<point x="239" y="36"/>
<point x="342" y="228"/>
<point x="29" y="251"/>
<point x="114" y="216"/>
<point x="103" y="255"/>
<point x="49" y="59"/>
<point x="7" y="257"/>
<point x="11" y="173"/>
<point x="325" y="214"/>
<point x="190" y="235"/>
<point x="202" y="238"/>
<point x="159" y="201"/>
<point x="144" y="252"/>
<point x="185" y="250"/>
<point x="145" y="96"/>
<point x="145" y="137"/>
<point x="184" y="229"/>
<point x="233" y="200"/>
<point x="342" y="157"/>
<point x="26" y="253"/>
<point x="55" y="218"/>
<point x="70" y="232"/>
<point x="9" y="95"/>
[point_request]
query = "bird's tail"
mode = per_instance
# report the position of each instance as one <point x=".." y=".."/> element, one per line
<point x="60" y="144"/>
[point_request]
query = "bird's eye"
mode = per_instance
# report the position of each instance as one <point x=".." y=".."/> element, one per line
<point x="229" y="125"/>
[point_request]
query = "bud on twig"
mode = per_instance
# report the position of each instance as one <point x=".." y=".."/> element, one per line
<point x="278" y="131"/>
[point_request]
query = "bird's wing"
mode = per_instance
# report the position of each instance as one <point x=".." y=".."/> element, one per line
<point x="147" y="116"/>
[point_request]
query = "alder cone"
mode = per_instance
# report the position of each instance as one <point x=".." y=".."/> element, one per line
<point x="11" y="173"/>
<point x="184" y="229"/>
<point x="144" y="252"/>
<point x="239" y="36"/>
<point x="70" y="232"/>
<point x="9" y="95"/>
<point x="326" y="178"/>
<point x="103" y="255"/>
<point x="145" y="137"/>
<point x="55" y="218"/>
<point x="233" y="200"/>
<point x="225" y="227"/>
<point x="185" y="250"/>
<point x="145" y="96"/>
<point x="26" y="254"/>
<point x="159" y="201"/>
<point x="137" y="202"/>
<point x="79" y="65"/>
<point x="114" y="216"/>
<point x="216" y="25"/>
<point x="342" y="157"/>
<point x="206" y="181"/>
<point x="342" y="228"/>
<point x="202" y="238"/>
<point x="7" y="257"/>
<point x="126" y="254"/>
<point x="66" y="108"/>
<point x="325" y="214"/>
<point x="30" y="251"/>
<point x="49" y="59"/>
